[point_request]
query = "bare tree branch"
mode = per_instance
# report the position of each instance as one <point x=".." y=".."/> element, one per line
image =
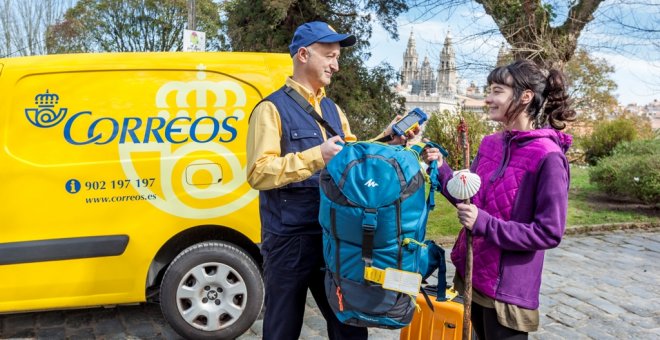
<point x="24" y="24"/>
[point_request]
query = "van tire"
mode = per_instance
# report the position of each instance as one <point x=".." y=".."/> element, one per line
<point x="233" y="299"/>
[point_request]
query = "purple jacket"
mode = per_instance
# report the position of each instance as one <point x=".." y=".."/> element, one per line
<point x="522" y="211"/>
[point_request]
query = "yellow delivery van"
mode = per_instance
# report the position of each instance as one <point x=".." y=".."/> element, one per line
<point x="123" y="181"/>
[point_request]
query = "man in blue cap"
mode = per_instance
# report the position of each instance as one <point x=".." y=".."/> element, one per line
<point x="287" y="146"/>
<point x="286" y="149"/>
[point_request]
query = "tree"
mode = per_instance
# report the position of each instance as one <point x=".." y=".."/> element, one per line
<point x="547" y="31"/>
<point x="23" y="24"/>
<point x="365" y="95"/>
<point x="590" y="85"/>
<point x="526" y="26"/>
<point x="132" y="25"/>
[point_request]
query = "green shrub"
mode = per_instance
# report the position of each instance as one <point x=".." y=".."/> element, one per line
<point x="606" y="135"/>
<point x="442" y="128"/>
<point x="632" y="171"/>
<point x="647" y="147"/>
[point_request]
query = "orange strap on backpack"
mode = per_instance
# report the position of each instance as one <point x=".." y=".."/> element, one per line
<point x="340" y="299"/>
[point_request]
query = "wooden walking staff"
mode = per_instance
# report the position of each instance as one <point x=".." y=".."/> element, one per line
<point x="462" y="186"/>
<point x="465" y="144"/>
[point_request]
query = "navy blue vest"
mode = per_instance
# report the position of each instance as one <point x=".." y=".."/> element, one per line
<point x="293" y="209"/>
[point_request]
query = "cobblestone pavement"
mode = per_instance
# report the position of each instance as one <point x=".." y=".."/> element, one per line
<point x="596" y="286"/>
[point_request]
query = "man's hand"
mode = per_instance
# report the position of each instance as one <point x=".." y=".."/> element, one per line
<point x="400" y="140"/>
<point x="329" y="148"/>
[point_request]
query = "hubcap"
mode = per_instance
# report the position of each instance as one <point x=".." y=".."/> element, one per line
<point x="211" y="296"/>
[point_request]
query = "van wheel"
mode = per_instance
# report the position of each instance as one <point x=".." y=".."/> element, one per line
<point x="212" y="290"/>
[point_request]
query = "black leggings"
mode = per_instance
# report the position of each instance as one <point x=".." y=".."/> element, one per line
<point x="485" y="324"/>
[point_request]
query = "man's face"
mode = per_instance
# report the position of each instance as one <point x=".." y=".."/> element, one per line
<point x="322" y="63"/>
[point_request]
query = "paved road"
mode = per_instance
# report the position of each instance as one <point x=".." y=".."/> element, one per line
<point x="596" y="286"/>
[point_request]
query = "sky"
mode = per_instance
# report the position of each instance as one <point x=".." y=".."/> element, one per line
<point x="637" y="69"/>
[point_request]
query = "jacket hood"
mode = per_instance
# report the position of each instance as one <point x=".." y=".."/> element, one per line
<point x="562" y="139"/>
<point x="522" y="138"/>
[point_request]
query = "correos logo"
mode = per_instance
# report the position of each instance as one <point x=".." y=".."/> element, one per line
<point x="174" y="132"/>
<point x="156" y="129"/>
<point x="44" y="116"/>
<point x="104" y="130"/>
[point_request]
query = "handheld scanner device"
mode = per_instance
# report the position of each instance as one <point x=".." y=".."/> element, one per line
<point x="414" y="118"/>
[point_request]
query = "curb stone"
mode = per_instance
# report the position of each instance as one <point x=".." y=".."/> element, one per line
<point x="584" y="229"/>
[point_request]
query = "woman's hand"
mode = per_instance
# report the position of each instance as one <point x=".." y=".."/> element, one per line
<point x="431" y="154"/>
<point x="467" y="214"/>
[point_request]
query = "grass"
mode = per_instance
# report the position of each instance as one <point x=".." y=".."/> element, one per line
<point x="586" y="206"/>
<point x="442" y="221"/>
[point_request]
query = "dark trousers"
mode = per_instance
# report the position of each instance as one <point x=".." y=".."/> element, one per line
<point x="292" y="264"/>
<point x="485" y="324"/>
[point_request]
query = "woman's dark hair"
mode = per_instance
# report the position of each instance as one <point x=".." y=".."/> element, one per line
<point x="550" y="104"/>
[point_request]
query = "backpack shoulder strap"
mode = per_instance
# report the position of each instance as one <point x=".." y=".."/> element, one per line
<point x="309" y="109"/>
<point x="433" y="173"/>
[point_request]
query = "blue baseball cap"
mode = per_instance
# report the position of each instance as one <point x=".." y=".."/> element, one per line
<point x="317" y="31"/>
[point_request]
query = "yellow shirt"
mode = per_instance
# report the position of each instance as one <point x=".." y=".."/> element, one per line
<point x="267" y="168"/>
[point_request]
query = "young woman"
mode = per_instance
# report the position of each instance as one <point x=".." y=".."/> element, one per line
<point x="520" y="209"/>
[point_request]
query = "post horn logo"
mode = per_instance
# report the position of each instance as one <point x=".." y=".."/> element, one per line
<point x="44" y="115"/>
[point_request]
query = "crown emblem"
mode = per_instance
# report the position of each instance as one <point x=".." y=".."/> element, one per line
<point x="46" y="99"/>
<point x="193" y="98"/>
<point x="45" y="115"/>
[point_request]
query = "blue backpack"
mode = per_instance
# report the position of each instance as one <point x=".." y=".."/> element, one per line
<point x="374" y="213"/>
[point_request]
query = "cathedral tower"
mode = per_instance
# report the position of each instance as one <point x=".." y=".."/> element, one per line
<point x="409" y="70"/>
<point x="427" y="78"/>
<point x="504" y="56"/>
<point x="447" y="69"/>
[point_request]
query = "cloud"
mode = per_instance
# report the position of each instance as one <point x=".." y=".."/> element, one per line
<point x="638" y="80"/>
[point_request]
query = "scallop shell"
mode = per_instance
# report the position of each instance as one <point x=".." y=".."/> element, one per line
<point x="463" y="184"/>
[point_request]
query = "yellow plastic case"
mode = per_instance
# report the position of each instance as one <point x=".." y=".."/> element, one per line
<point x="445" y="322"/>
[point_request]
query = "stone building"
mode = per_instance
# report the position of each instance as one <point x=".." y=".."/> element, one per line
<point x="435" y="90"/>
<point x="650" y="111"/>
